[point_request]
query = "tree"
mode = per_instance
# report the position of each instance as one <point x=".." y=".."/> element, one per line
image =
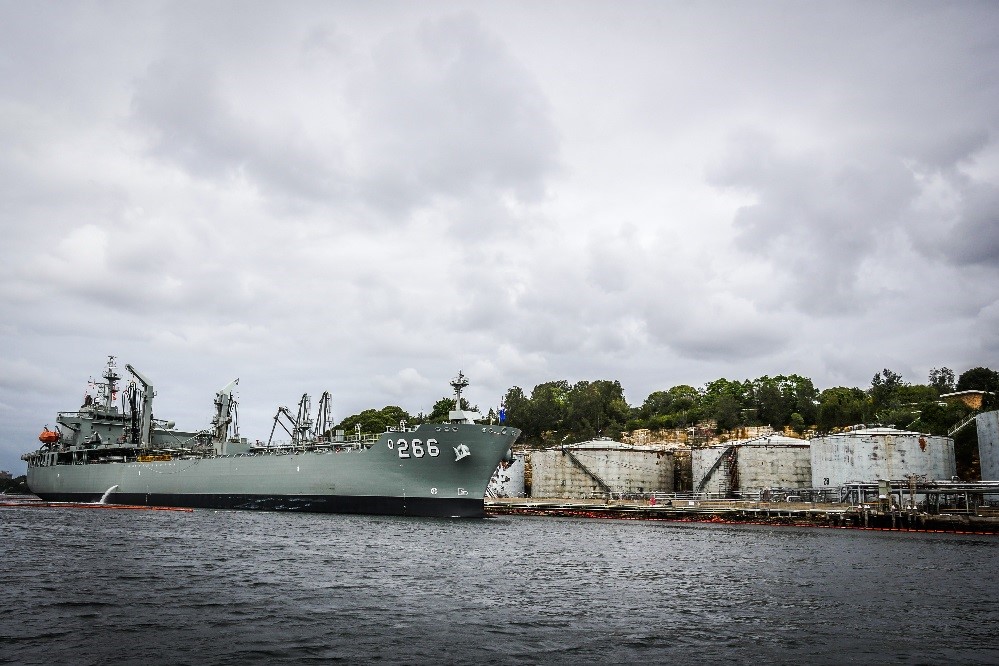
<point x="740" y="392"/>
<point x="938" y="419"/>
<point x="683" y="397"/>
<point x="942" y="379"/>
<point x="771" y="406"/>
<point x="981" y="379"/>
<point x="375" y="421"/>
<point x="805" y="399"/>
<point x="841" y="406"/>
<point x="518" y="409"/>
<point x="727" y="412"/>
<point x="657" y="404"/>
<point x="884" y="389"/>
<point x="797" y="423"/>
<point x="442" y="410"/>
<point x="595" y="408"/>
<point x="548" y="402"/>
<point x="978" y="379"/>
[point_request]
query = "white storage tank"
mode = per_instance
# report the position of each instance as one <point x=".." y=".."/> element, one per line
<point x="600" y="468"/>
<point x="508" y="479"/>
<point x="988" y="444"/>
<point x="871" y="454"/>
<point x="749" y="466"/>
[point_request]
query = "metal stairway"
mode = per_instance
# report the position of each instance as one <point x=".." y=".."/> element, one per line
<point x="586" y="470"/>
<point x="726" y="465"/>
<point x="962" y="425"/>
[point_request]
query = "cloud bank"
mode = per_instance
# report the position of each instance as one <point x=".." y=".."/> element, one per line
<point x="367" y="199"/>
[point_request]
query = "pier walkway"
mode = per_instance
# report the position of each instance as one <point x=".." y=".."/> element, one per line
<point x="811" y="514"/>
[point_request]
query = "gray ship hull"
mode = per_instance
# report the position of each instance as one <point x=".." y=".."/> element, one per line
<point x="432" y="470"/>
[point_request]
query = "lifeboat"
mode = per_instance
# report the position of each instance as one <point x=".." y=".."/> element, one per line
<point x="49" y="436"/>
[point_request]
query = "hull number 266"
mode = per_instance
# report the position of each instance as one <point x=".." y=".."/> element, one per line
<point x="415" y="448"/>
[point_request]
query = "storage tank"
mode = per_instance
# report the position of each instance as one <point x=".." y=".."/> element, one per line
<point x="749" y="466"/>
<point x="871" y="454"/>
<point x="988" y="444"/>
<point x="508" y="479"/>
<point x="600" y="468"/>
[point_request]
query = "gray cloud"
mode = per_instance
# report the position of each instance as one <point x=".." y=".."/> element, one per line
<point x="367" y="198"/>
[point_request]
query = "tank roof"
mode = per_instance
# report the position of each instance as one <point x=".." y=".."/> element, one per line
<point x="874" y="431"/>
<point x="762" y="440"/>
<point x="608" y="444"/>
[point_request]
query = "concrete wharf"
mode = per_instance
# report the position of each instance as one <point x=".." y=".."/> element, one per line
<point x="804" y="514"/>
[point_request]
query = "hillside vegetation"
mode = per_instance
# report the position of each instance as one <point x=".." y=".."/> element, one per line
<point x="557" y="411"/>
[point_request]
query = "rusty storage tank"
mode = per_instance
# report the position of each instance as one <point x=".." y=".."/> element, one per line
<point x="508" y="479"/>
<point x="746" y="467"/>
<point x="871" y="454"/>
<point x="600" y="468"/>
<point x="988" y="444"/>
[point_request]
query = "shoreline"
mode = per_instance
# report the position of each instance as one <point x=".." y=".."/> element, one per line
<point x="782" y="514"/>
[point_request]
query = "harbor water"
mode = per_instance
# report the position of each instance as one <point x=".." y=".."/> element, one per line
<point x="222" y="587"/>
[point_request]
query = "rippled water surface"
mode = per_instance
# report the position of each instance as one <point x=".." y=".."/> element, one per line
<point x="88" y="586"/>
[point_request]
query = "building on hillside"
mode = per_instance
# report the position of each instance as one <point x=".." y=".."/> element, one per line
<point x="972" y="398"/>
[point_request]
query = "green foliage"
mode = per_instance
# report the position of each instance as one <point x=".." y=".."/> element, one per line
<point x="441" y="412"/>
<point x="942" y="379"/>
<point x="884" y="390"/>
<point x="16" y="486"/>
<point x="556" y="410"/>
<point x="916" y="394"/>
<point x="678" y="407"/>
<point x="841" y="406"/>
<point x="938" y="419"/>
<point x="776" y="399"/>
<point x="374" y="421"/>
<point x="981" y="379"/>
<point x="657" y="403"/>
<point x="726" y="411"/>
<point x="797" y="423"/>
<point x="595" y="409"/>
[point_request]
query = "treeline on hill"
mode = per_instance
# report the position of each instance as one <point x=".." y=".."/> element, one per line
<point x="558" y="410"/>
<point x="16" y="486"/>
<point x="377" y="420"/>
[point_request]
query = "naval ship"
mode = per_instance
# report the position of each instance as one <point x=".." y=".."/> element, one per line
<point x="112" y="450"/>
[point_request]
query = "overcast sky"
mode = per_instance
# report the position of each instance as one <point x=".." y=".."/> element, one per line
<point x="368" y="197"/>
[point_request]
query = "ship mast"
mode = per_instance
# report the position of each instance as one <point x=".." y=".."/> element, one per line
<point x="110" y="388"/>
<point x="458" y="383"/>
<point x="459" y="415"/>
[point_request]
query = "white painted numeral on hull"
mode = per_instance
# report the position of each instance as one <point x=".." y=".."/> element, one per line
<point x="415" y="448"/>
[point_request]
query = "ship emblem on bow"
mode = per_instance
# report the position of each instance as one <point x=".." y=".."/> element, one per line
<point x="461" y="451"/>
